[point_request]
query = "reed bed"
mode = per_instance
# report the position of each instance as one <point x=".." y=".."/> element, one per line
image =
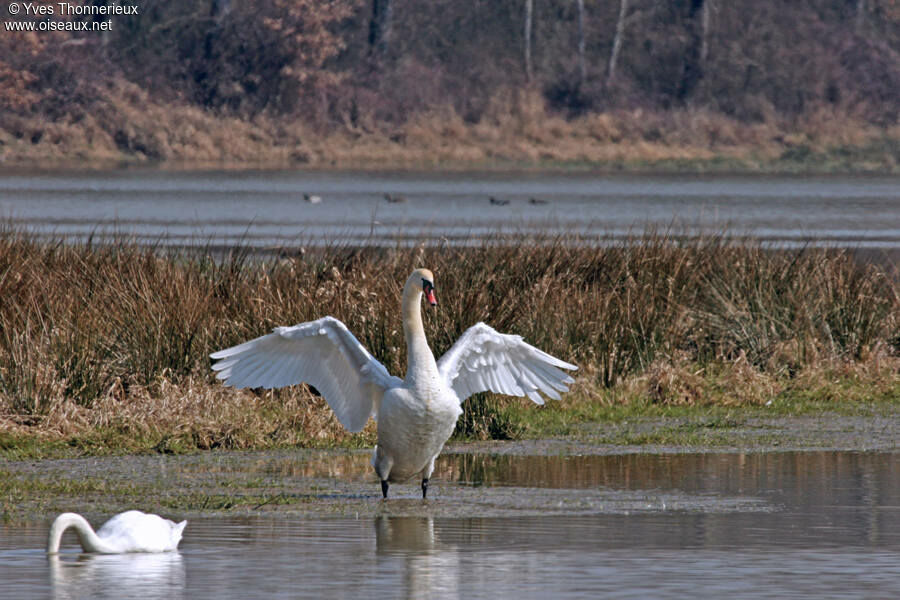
<point x="113" y="340"/>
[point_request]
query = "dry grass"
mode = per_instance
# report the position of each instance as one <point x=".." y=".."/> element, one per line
<point x="115" y="339"/>
<point x="516" y="129"/>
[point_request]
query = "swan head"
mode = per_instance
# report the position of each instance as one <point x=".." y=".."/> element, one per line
<point x="423" y="279"/>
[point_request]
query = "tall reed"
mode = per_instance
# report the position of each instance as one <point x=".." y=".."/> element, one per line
<point x="80" y="322"/>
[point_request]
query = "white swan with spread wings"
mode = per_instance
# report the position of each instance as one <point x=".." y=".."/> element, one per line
<point x="415" y="415"/>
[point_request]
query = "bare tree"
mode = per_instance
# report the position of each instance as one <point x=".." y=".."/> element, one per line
<point x="529" y="14"/>
<point x="692" y="70"/>
<point x="706" y="17"/>
<point x="861" y="13"/>
<point x="582" y="65"/>
<point x="617" y="42"/>
<point x="218" y="11"/>
<point x="380" y="27"/>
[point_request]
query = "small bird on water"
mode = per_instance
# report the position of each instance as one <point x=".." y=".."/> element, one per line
<point x="312" y="199"/>
<point x="499" y="201"/>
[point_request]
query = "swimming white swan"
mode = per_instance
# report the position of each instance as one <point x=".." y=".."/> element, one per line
<point x="416" y="415"/>
<point x="130" y="531"/>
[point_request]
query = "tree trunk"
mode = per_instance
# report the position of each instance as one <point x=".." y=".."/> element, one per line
<point x="861" y="15"/>
<point x="693" y="55"/>
<point x="380" y="27"/>
<point x="617" y="42"/>
<point x="529" y="13"/>
<point x="582" y="65"/>
<point x="218" y="10"/>
<point x="705" y="18"/>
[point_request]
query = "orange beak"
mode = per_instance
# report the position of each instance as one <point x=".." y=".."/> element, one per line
<point x="429" y="295"/>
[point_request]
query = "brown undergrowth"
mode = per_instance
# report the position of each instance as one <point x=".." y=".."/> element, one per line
<point x="108" y="345"/>
<point x="516" y="129"/>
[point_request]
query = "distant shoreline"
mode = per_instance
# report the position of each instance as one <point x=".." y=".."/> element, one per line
<point x="611" y="143"/>
<point x="719" y="166"/>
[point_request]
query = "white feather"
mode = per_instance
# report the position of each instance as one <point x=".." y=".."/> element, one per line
<point x="485" y="360"/>
<point x="415" y="415"/>
<point x="130" y="531"/>
<point x="322" y="353"/>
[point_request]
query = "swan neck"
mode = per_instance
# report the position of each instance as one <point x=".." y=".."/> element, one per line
<point x="418" y="354"/>
<point x="89" y="540"/>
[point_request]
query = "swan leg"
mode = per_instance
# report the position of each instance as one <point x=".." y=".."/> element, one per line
<point x="383" y="464"/>
<point x="426" y="475"/>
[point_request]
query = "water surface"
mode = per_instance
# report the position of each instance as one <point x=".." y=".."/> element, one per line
<point x="267" y="208"/>
<point x="821" y="525"/>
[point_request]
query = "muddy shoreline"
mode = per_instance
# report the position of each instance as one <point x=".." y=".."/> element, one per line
<point x="339" y="483"/>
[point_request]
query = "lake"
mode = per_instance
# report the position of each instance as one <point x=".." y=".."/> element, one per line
<point x="735" y="525"/>
<point x="267" y="209"/>
<point x="817" y="524"/>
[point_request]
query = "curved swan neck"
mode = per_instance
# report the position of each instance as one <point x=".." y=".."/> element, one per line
<point x="90" y="542"/>
<point x="418" y="354"/>
<point x="412" y="313"/>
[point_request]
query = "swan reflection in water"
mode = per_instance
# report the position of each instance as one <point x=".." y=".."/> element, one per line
<point x="430" y="569"/>
<point x="138" y="575"/>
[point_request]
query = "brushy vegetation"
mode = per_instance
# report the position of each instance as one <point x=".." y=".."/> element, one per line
<point x="516" y="130"/>
<point x="749" y="85"/>
<point x="107" y="346"/>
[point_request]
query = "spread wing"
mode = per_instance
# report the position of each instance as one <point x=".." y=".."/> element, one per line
<point x="322" y="353"/>
<point x="483" y="359"/>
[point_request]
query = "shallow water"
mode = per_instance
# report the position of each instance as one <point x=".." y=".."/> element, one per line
<point x="267" y="209"/>
<point x="810" y="525"/>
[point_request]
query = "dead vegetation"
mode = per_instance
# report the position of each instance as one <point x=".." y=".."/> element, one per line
<point x="515" y="130"/>
<point x="110" y="343"/>
<point x="348" y="83"/>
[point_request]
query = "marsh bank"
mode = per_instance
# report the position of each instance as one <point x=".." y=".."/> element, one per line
<point x="339" y="482"/>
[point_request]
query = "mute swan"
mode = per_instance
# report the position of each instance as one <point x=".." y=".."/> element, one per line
<point x="416" y="415"/>
<point x="130" y="531"/>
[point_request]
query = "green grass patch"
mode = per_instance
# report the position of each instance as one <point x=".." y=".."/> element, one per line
<point x="203" y="502"/>
<point x="833" y="391"/>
